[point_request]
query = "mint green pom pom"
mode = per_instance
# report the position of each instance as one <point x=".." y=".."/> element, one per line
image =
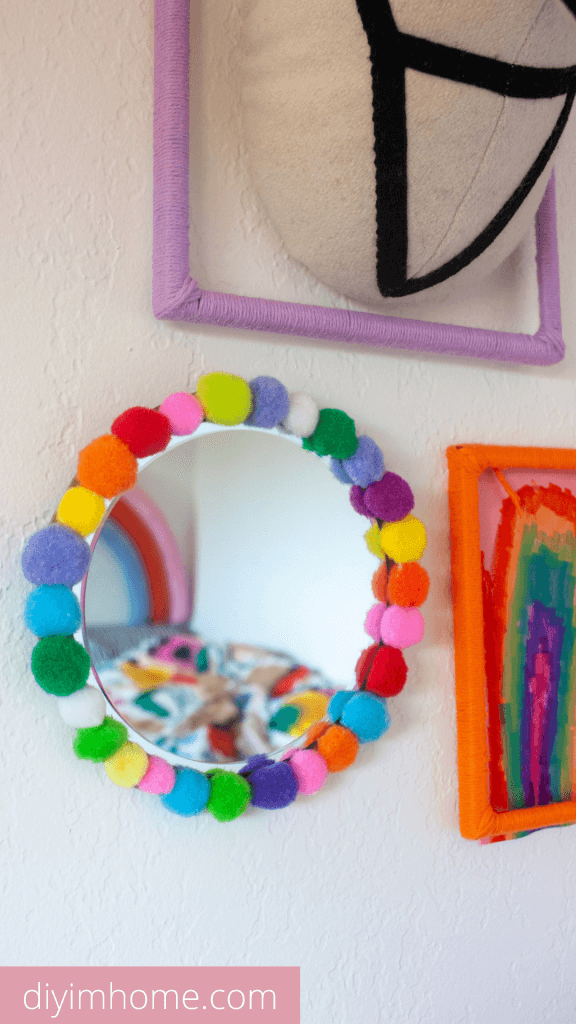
<point x="99" y="743"/>
<point x="335" y="435"/>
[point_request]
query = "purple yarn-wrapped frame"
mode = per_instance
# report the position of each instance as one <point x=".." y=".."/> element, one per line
<point x="177" y="296"/>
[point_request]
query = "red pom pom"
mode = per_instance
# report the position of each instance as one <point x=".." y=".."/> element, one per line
<point x="409" y="585"/>
<point x="143" y="431"/>
<point x="364" y="663"/>
<point x="387" y="673"/>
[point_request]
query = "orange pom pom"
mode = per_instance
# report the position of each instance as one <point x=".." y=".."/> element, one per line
<point x="380" y="583"/>
<point x="107" y="467"/>
<point x="408" y="585"/>
<point x="338" y="746"/>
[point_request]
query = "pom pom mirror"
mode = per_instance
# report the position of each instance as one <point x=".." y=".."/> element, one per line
<point x="415" y="176"/>
<point x="200" y="598"/>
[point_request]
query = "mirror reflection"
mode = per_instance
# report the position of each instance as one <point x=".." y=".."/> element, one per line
<point x="226" y="595"/>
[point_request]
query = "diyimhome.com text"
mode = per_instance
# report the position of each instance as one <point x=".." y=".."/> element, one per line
<point x="138" y="999"/>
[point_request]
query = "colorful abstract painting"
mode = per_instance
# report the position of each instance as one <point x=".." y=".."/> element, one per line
<point x="515" y="637"/>
<point x="530" y="634"/>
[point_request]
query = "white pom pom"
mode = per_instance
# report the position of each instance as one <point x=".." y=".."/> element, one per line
<point x="84" y="709"/>
<point x="302" y="416"/>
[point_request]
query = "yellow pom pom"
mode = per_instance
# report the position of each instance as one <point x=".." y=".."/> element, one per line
<point x="127" y="766"/>
<point x="81" y="509"/>
<point x="372" y="538"/>
<point x="404" y="541"/>
<point x="225" y="398"/>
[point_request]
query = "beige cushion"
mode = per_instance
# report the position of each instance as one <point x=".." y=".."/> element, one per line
<point x="305" y="78"/>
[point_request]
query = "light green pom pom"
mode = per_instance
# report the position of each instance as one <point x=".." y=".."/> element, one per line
<point x="101" y="742"/>
<point x="229" y="795"/>
<point x="225" y="398"/>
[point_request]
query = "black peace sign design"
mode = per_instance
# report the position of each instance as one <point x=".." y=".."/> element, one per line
<point x="391" y="53"/>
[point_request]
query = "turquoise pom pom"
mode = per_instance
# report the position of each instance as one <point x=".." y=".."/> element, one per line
<point x="190" y="793"/>
<point x="338" y="703"/>
<point x="366" y="716"/>
<point x="52" y="610"/>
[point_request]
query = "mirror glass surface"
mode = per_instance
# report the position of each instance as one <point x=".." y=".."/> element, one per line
<point x="226" y="595"/>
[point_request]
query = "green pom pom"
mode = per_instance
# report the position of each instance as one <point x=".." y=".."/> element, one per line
<point x="335" y="435"/>
<point x="60" y="665"/>
<point x="99" y="743"/>
<point x="308" y="444"/>
<point x="229" y="795"/>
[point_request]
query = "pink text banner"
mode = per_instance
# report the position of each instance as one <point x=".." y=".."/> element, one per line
<point x="262" y="995"/>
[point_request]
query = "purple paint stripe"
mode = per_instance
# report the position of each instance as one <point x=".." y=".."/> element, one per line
<point x="540" y="713"/>
<point x="177" y="296"/>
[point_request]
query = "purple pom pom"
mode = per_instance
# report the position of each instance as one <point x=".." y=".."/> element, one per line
<point x="357" y="501"/>
<point x="270" y="402"/>
<point x="254" y="762"/>
<point x="367" y="463"/>
<point x="274" y="786"/>
<point x="337" y="467"/>
<point x="389" y="499"/>
<point x="55" y="554"/>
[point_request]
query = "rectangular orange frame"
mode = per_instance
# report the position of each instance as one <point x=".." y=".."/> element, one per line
<point x="478" y="819"/>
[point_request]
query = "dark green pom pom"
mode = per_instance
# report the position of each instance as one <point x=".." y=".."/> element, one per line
<point x="335" y="435"/>
<point x="60" y="665"/>
<point x="229" y="795"/>
<point x="99" y="743"/>
<point x="308" y="444"/>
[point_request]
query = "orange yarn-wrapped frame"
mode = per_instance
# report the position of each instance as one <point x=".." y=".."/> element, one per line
<point x="478" y="817"/>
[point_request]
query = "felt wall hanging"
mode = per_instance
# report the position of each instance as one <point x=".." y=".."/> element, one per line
<point x="57" y="558"/>
<point x="513" y="526"/>
<point x="398" y="245"/>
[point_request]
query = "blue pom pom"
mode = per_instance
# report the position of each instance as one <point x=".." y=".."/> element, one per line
<point x="274" y="786"/>
<point x="338" y="703"/>
<point x="55" y="554"/>
<point x="340" y="473"/>
<point x="366" y="465"/>
<point x="190" y="793"/>
<point x="52" y="611"/>
<point x="367" y="716"/>
<point x="270" y="402"/>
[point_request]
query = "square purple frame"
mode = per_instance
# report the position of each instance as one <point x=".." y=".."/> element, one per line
<point x="177" y="296"/>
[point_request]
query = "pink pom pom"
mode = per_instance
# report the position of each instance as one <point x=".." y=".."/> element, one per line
<point x="160" y="777"/>
<point x="373" y="620"/>
<point x="310" y="770"/>
<point x="401" y="627"/>
<point x="183" y="411"/>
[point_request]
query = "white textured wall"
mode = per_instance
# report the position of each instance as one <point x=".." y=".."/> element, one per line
<point x="368" y="885"/>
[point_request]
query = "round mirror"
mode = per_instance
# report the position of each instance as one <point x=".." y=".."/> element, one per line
<point x="226" y="595"/>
